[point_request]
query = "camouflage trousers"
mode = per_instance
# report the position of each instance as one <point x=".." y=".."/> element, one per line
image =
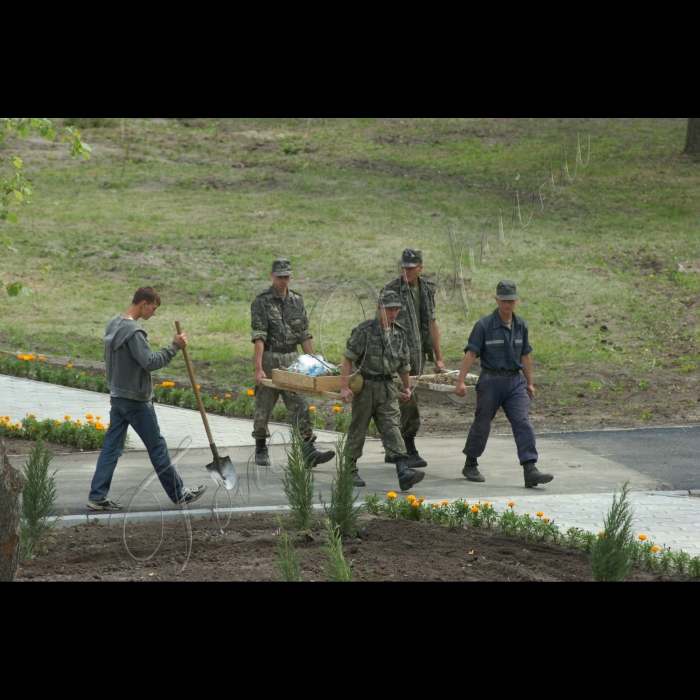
<point x="378" y="400"/>
<point x="410" y="411"/>
<point x="266" y="399"/>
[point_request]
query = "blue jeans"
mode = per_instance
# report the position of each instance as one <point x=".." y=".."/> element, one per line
<point x="492" y="393"/>
<point x="141" y="416"/>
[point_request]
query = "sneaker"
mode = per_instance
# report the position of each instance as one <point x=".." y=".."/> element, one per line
<point x="189" y="496"/>
<point x="104" y="505"/>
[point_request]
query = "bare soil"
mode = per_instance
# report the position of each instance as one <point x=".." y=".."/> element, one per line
<point x="384" y="551"/>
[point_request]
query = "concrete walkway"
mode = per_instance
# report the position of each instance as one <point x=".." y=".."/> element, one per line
<point x="579" y="496"/>
<point x="20" y="397"/>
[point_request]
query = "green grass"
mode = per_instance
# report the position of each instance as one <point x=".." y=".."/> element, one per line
<point x="202" y="211"/>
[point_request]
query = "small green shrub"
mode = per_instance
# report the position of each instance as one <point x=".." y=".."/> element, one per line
<point x="38" y="499"/>
<point x="288" y="560"/>
<point x="298" y="483"/>
<point x="337" y="569"/>
<point x="342" y="420"/>
<point x="342" y="512"/>
<point x="612" y="553"/>
<point x="281" y="413"/>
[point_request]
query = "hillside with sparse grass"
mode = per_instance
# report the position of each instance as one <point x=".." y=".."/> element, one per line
<point x="200" y="207"/>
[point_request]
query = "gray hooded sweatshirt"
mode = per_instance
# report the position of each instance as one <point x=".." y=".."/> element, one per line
<point x="130" y="359"/>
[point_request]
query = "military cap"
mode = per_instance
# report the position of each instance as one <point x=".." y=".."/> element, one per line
<point x="389" y="299"/>
<point x="282" y="268"/>
<point x="507" y="291"/>
<point x="411" y="258"/>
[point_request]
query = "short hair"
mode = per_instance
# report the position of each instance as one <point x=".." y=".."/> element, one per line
<point x="147" y="294"/>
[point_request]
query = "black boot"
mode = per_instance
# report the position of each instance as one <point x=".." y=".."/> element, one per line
<point x="262" y="456"/>
<point x="471" y="471"/>
<point x="533" y="476"/>
<point x="359" y="481"/>
<point x="407" y="477"/>
<point x="388" y="460"/>
<point x="313" y="456"/>
<point x="415" y="461"/>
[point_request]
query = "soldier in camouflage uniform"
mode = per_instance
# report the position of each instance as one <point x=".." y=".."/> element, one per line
<point x="379" y="350"/>
<point x="280" y="324"/>
<point x="418" y="317"/>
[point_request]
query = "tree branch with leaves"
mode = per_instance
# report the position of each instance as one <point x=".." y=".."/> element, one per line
<point x="15" y="189"/>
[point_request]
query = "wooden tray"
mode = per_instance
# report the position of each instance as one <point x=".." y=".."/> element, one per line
<point x="325" y="387"/>
<point x="290" y="381"/>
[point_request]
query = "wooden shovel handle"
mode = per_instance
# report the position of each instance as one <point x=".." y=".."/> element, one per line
<point x="193" y="381"/>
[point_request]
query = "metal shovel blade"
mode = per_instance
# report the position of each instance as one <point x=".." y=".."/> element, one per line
<point x="225" y="476"/>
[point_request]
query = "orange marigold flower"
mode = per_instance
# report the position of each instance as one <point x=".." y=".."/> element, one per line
<point x="216" y="398"/>
<point x="337" y="409"/>
<point x="654" y="549"/>
<point x="31" y="415"/>
<point x="313" y="409"/>
<point x="475" y="510"/>
<point x="67" y="417"/>
<point x="415" y="504"/>
<point x="421" y="500"/>
<point x="228" y="396"/>
<point x="545" y="520"/>
<point x="411" y="499"/>
<point x="540" y="515"/>
<point x="78" y="423"/>
<point x="98" y="417"/>
<point x="511" y="505"/>
<point x="89" y="416"/>
<point x="391" y="496"/>
<point x="436" y="505"/>
<point x="251" y="392"/>
<point x="69" y="366"/>
<point x="601" y="534"/>
<point x="487" y="505"/>
<point x="445" y="503"/>
<point x="642" y="537"/>
<point x="42" y="359"/>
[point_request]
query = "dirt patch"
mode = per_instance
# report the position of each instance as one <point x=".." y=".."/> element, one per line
<point x="20" y="447"/>
<point x="384" y="551"/>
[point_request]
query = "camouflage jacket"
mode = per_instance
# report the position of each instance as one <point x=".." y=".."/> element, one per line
<point x="279" y="320"/>
<point x="419" y="342"/>
<point x="372" y="356"/>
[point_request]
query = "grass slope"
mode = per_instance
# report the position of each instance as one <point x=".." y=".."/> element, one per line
<point x="199" y="208"/>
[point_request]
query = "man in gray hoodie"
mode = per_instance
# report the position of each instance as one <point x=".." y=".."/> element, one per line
<point x="130" y="361"/>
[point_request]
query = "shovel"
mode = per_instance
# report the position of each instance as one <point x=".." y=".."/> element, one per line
<point x="221" y="470"/>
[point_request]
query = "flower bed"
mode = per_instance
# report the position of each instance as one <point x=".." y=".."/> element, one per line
<point x="534" y="528"/>
<point x="84" y="435"/>
<point x="167" y="393"/>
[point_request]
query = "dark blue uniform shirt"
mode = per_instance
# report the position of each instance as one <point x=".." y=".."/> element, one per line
<point x="500" y="348"/>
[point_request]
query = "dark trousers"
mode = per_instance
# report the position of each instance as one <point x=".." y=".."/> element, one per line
<point x="141" y="416"/>
<point x="509" y="393"/>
